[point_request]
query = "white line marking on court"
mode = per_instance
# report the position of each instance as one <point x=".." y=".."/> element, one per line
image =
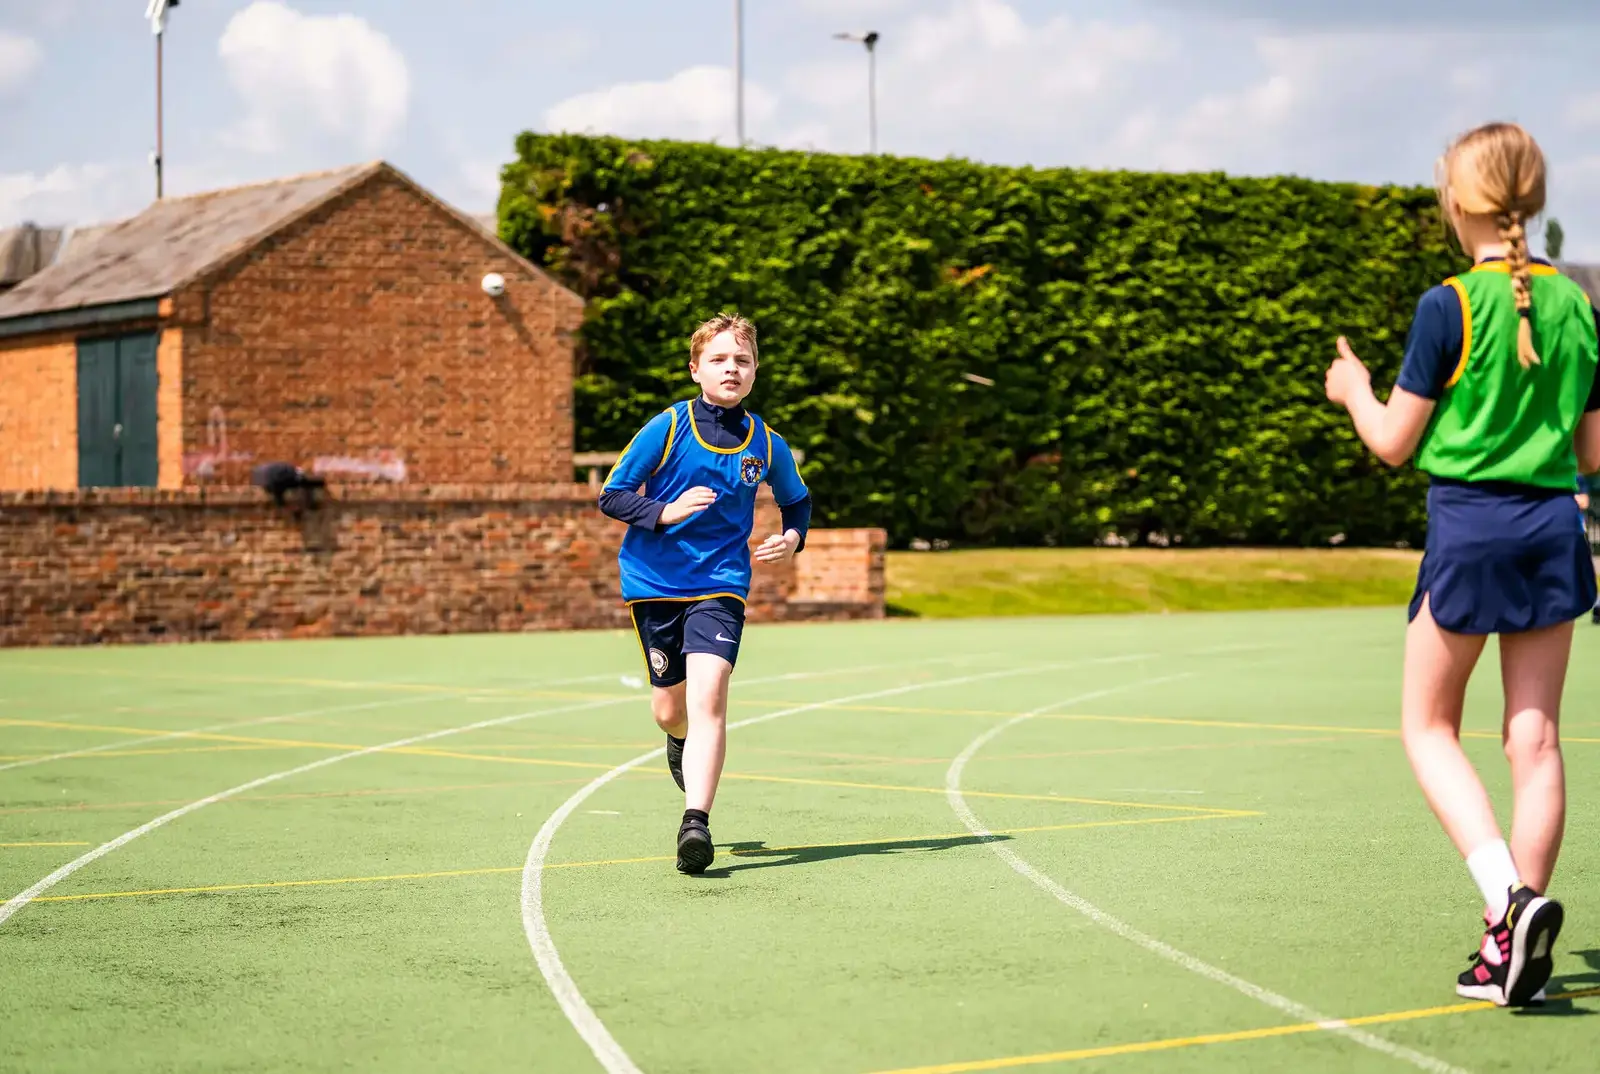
<point x="588" y="1024"/>
<point x="17" y="902"/>
<point x="123" y="744"/>
<point x="1296" y="1010"/>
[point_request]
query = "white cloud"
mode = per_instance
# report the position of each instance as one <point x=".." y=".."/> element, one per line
<point x="475" y="186"/>
<point x="313" y="78"/>
<point x="697" y="103"/>
<point x="1584" y="112"/>
<point x="854" y="10"/>
<point x="20" y="58"/>
<point x="1300" y="110"/>
<point x="76" y="194"/>
<point x="101" y="191"/>
<point x="978" y="67"/>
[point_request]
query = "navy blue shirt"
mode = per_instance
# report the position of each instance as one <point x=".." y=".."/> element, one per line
<point x="721" y="427"/>
<point x="1433" y="347"/>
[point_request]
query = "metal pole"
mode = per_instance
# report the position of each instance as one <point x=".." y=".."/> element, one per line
<point x="872" y="89"/>
<point x="738" y="66"/>
<point x="160" y="124"/>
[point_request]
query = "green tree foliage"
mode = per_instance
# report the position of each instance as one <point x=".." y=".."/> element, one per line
<point x="1156" y="342"/>
<point x="1554" y="239"/>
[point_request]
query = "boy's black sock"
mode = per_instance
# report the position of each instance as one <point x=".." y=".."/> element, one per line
<point x="697" y="814"/>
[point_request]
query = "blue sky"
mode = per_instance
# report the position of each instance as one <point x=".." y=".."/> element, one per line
<point x="1367" y="90"/>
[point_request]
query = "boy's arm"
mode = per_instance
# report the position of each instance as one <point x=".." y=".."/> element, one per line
<point x="620" y="498"/>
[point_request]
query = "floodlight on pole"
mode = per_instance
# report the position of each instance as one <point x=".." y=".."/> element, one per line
<point x="156" y="12"/>
<point x="870" y="40"/>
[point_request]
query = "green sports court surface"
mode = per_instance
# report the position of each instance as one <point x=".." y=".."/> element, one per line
<point x="1203" y="851"/>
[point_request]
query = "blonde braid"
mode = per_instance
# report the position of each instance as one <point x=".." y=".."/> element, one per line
<point x="1515" y="236"/>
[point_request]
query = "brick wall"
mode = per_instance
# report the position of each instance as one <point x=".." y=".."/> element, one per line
<point x="843" y="567"/>
<point x="364" y="329"/>
<point x="39" y="413"/>
<point x="169" y="408"/>
<point x="124" y="565"/>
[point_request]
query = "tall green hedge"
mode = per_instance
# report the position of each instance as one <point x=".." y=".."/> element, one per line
<point x="1156" y="342"/>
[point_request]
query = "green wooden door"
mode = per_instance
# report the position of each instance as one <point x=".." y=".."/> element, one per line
<point x="117" y="411"/>
<point x="97" y="413"/>
<point x="136" y="395"/>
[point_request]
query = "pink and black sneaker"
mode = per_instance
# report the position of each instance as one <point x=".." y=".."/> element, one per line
<point x="1514" y="963"/>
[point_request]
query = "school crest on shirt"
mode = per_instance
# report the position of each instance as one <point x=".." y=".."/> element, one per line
<point x="751" y="469"/>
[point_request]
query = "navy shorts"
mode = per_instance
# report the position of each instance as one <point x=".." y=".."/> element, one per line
<point x="671" y="629"/>
<point x="1502" y="559"/>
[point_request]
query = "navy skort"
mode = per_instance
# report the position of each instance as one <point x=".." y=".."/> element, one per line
<point x="1503" y="559"/>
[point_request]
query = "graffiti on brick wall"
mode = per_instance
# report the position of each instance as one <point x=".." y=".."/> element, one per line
<point x="385" y="465"/>
<point x="205" y="464"/>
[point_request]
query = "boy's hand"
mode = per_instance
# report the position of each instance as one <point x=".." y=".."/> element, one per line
<point x="690" y="503"/>
<point x="778" y="547"/>
<point x="1346" y="377"/>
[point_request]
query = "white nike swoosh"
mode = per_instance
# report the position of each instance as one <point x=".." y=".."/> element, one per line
<point x="728" y="640"/>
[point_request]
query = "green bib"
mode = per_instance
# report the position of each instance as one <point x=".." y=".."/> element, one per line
<point x="1497" y="421"/>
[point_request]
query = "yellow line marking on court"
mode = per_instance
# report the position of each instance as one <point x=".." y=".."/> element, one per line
<point x="336" y="684"/>
<point x="870" y="761"/>
<point x="891" y="843"/>
<point x="592" y="766"/>
<point x="1169" y="1044"/>
<point x="85" y="807"/>
<point x="13" y="846"/>
<point x="997" y="794"/>
<point x="567" y="746"/>
<point x="302" y="744"/>
<point x="172" y="751"/>
<point x="1167" y="721"/>
<point x="829" y="756"/>
<point x="56" y="725"/>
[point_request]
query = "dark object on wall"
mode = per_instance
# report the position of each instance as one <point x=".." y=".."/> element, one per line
<point x="278" y="479"/>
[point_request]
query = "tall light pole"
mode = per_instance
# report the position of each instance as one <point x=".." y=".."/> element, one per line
<point x="738" y="67"/>
<point x="156" y="12"/>
<point x="870" y="40"/>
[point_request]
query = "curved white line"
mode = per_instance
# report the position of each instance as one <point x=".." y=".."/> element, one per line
<point x="1297" y="1010"/>
<point x="17" y="902"/>
<point x="588" y="1024"/>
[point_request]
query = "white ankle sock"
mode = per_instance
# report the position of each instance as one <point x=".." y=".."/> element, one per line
<point x="1495" y="873"/>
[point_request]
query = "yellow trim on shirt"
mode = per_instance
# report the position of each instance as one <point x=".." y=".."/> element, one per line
<point x="749" y="435"/>
<point x="705" y="596"/>
<point x="1466" y="329"/>
<point x="672" y="434"/>
<point x="1502" y="267"/>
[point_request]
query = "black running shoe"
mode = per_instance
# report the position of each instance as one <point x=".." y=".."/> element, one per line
<point x="695" y="851"/>
<point x="675" y="760"/>
<point x="1534" y="922"/>
<point x="1484" y="979"/>
<point x="1524" y="941"/>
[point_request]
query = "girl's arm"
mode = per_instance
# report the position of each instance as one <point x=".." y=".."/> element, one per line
<point x="1393" y="430"/>
<point x="1588" y="442"/>
<point x="1587" y="439"/>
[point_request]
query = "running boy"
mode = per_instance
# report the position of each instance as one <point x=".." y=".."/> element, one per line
<point x="1496" y="396"/>
<point x="686" y="556"/>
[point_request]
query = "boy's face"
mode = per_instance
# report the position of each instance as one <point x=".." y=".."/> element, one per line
<point x="725" y="370"/>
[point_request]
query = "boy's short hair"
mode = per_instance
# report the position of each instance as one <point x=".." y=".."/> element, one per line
<point x="743" y="330"/>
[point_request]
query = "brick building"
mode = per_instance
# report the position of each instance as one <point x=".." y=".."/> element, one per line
<point x="336" y="320"/>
